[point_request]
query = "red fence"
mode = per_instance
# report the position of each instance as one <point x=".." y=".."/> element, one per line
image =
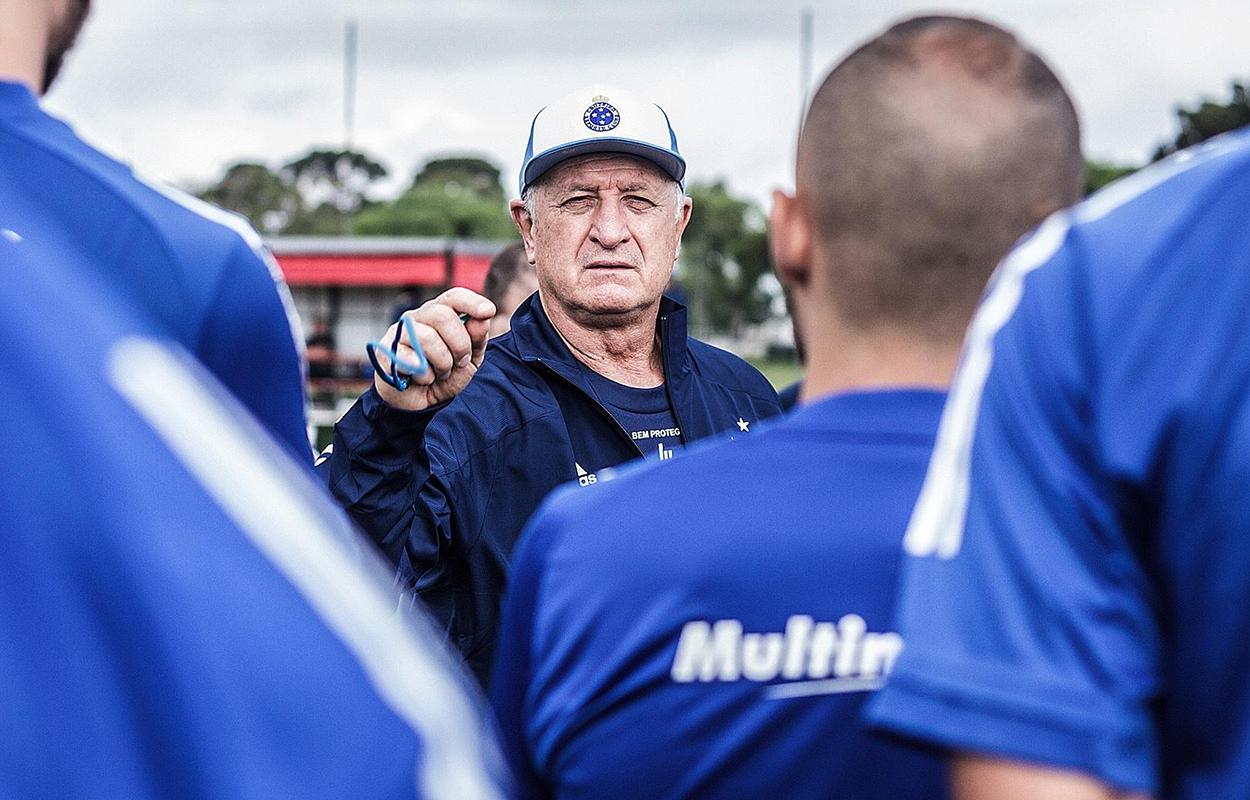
<point x="383" y="262"/>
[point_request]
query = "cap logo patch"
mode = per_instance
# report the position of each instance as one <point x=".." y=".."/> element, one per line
<point x="602" y="115"/>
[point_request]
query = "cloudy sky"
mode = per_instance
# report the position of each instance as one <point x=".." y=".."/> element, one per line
<point x="183" y="89"/>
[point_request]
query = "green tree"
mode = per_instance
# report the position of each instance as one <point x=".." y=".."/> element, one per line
<point x="339" y="177"/>
<point x="317" y="193"/>
<point x="476" y="176"/>
<point x="1099" y="173"/>
<point x="453" y="197"/>
<point x="267" y="200"/>
<point x="332" y="186"/>
<point x="1209" y="119"/>
<point x="724" y="258"/>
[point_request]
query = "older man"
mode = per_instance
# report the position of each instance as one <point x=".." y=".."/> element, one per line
<point x="597" y="369"/>
<point x="726" y="648"/>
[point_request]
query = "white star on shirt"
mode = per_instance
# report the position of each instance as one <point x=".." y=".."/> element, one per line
<point x="743" y="425"/>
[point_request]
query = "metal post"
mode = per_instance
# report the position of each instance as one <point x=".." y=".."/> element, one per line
<point x="805" y="60"/>
<point x="349" y="85"/>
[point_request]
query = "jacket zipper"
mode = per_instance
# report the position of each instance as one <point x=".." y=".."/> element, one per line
<point x="608" y="414"/>
<point x="668" y="383"/>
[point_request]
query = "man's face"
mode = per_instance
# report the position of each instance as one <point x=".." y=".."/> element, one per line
<point x="70" y="16"/>
<point x="604" y="236"/>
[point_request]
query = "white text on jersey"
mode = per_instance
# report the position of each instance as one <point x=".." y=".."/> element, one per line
<point x="845" y="653"/>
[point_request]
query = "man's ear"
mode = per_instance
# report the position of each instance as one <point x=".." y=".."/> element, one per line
<point x="790" y="240"/>
<point x="683" y="218"/>
<point x="525" y="224"/>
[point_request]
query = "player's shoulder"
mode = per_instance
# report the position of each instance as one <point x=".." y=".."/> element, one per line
<point x="1144" y="236"/>
<point x="192" y="230"/>
<point x="131" y="203"/>
<point x="656" y="524"/>
<point x="38" y="277"/>
<point x="1183" y="179"/>
<point x="1191" y="194"/>
<point x="46" y="286"/>
<point x="682" y="492"/>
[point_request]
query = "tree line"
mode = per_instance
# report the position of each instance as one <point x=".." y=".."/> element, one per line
<point x="1207" y="119"/>
<point x="328" y="193"/>
<point x="724" y="262"/>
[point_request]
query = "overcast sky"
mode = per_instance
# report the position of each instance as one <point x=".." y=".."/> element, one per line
<point x="181" y="89"/>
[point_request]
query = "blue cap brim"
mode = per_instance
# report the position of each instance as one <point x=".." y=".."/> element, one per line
<point x="669" y="162"/>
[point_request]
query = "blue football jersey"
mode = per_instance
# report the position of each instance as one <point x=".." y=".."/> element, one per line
<point x="200" y="272"/>
<point x="181" y="613"/>
<point x="1078" y="592"/>
<point x="711" y="626"/>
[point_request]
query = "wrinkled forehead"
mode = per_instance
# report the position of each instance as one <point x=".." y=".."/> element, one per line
<point x="603" y="171"/>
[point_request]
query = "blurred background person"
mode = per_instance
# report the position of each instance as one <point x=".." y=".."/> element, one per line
<point x="510" y="279"/>
<point x="597" y="370"/>
<point x="321" y="350"/>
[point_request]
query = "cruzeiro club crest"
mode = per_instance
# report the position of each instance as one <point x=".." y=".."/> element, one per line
<point x="602" y="115"/>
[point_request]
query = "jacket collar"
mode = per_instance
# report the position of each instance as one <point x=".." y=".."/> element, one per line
<point x="536" y="339"/>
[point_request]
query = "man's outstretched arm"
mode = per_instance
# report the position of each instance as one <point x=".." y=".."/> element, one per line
<point x="977" y="777"/>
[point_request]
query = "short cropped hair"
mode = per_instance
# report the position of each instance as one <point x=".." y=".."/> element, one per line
<point x="924" y="156"/>
<point x="508" y="265"/>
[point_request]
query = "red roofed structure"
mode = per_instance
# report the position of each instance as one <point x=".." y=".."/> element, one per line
<point x="379" y="261"/>
<point x="357" y="285"/>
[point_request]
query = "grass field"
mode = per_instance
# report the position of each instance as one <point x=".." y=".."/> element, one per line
<point x="781" y="373"/>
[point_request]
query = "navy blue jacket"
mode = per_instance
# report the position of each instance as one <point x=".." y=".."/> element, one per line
<point x="446" y="491"/>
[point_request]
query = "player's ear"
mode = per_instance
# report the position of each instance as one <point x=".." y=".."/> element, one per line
<point x="790" y="242"/>
<point x="525" y="225"/>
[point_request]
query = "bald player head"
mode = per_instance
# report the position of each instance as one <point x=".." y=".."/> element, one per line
<point x="924" y="156"/>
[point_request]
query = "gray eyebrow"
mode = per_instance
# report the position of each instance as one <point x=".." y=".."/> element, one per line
<point x="590" y="189"/>
<point x="640" y="187"/>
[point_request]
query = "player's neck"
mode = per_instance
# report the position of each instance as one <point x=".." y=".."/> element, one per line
<point x="844" y="360"/>
<point x="23" y="37"/>
<point x="628" y="353"/>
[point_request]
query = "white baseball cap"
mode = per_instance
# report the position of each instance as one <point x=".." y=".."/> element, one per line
<point x="600" y="119"/>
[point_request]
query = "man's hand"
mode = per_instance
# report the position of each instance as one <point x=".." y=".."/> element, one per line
<point x="454" y="349"/>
